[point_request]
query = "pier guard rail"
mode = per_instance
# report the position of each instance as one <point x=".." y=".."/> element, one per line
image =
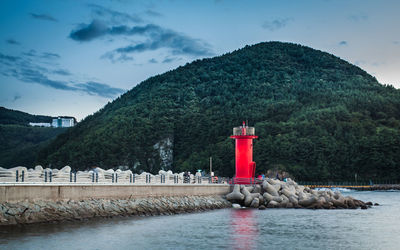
<point x="45" y="176"/>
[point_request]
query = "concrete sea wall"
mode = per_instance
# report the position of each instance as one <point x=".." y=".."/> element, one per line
<point x="29" y="203"/>
<point x="55" y="192"/>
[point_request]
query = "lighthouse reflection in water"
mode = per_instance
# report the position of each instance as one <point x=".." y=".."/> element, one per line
<point x="244" y="228"/>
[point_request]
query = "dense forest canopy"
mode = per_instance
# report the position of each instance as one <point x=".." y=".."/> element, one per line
<point x="9" y="116"/>
<point x="19" y="142"/>
<point x="317" y="117"/>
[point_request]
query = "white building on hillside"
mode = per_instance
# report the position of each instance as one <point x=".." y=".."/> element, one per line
<point x="40" y="124"/>
<point x="62" y="122"/>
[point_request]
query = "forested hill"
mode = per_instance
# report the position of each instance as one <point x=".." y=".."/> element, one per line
<point x="9" y="116"/>
<point x="317" y="116"/>
<point x="19" y="142"/>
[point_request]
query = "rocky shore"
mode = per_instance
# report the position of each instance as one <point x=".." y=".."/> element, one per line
<point x="279" y="194"/>
<point x="24" y="212"/>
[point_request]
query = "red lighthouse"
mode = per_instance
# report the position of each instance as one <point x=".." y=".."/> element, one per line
<point x="245" y="166"/>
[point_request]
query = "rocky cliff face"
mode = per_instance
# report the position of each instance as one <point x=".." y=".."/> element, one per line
<point x="165" y="150"/>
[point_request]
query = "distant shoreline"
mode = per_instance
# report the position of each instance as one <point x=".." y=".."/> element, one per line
<point x="382" y="187"/>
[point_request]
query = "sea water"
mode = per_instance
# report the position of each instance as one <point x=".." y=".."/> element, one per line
<point x="374" y="228"/>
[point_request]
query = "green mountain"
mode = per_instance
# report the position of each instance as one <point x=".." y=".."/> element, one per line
<point x="317" y="116"/>
<point x="9" y="116"/>
<point x="20" y="143"/>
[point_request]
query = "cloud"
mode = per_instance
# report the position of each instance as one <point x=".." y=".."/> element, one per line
<point x="170" y="59"/>
<point x="343" y="43"/>
<point x="153" y="13"/>
<point x="358" y="17"/>
<point x="43" y="17"/>
<point x="31" y="75"/>
<point x="396" y="42"/>
<point x="5" y="58"/>
<point x="16" y="97"/>
<point x="113" y="16"/>
<point x="360" y="62"/>
<point x="27" y="70"/>
<point x="276" y="24"/>
<point x="156" y="37"/>
<point x="152" y="60"/>
<point x="44" y="55"/>
<point x="61" y="72"/>
<point x="117" y="58"/>
<point x="100" y="89"/>
<point x="12" y="42"/>
<point x="89" y="32"/>
<point x="97" y="29"/>
<point x="49" y="55"/>
<point x="91" y="88"/>
<point x="179" y="44"/>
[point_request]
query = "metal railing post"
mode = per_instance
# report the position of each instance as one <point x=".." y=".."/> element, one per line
<point x="112" y="179"/>
<point x="97" y="177"/>
<point x="116" y="178"/>
<point x="50" y="176"/>
<point x="75" y="176"/>
<point x="130" y="178"/>
<point x="93" y="177"/>
<point x="70" y="176"/>
<point x="133" y="178"/>
<point x="16" y="175"/>
<point x="23" y="176"/>
<point x="45" y="176"/>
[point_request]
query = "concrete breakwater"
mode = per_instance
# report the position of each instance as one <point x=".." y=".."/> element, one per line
<point x="24" y="212"/>
<point x="32" y="203"/>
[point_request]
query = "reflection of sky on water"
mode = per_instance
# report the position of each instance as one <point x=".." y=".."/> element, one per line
<point x="244" y="228"/>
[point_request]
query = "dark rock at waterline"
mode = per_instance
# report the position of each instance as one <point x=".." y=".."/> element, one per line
<point x="262" y="207"/>
<point x="376" y="204"/>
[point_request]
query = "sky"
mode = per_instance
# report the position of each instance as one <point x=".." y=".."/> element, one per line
<point x="70" y="58"/>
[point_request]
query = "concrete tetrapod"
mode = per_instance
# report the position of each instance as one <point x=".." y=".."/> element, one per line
<point x="235" y="195"/>
<point x="279" y="194"/>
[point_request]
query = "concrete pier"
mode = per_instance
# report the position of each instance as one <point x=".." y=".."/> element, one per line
<point x="33" y="203"/>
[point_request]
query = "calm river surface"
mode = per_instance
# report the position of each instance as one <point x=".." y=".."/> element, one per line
<point x="375" y="228"/>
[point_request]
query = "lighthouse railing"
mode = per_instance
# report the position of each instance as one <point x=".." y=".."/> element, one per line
<point x="244" y="131"/>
